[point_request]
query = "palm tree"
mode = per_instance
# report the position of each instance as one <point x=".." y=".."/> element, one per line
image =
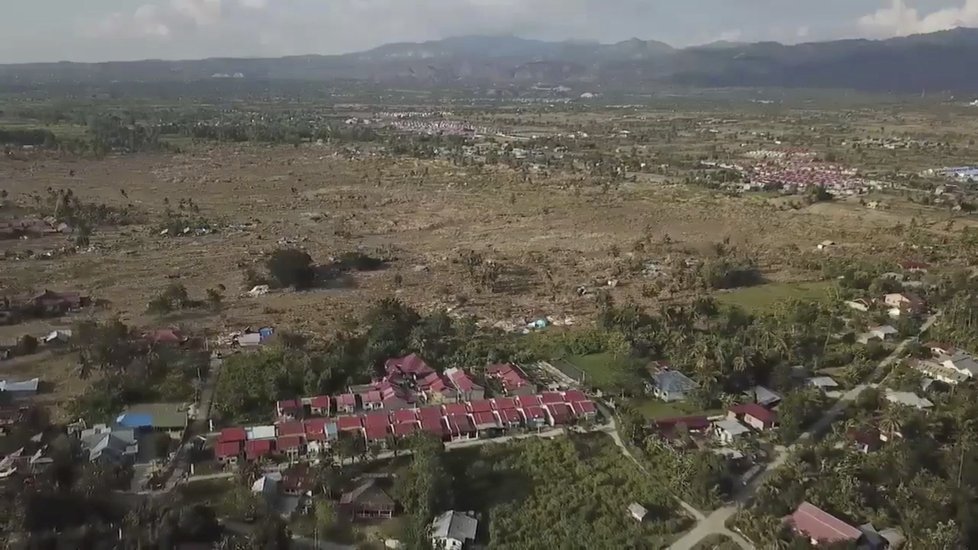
<point x="891" y="422"/>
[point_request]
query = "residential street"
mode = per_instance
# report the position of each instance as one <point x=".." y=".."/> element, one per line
<point x="715" y="523"/>
<point x="180" y="464"/>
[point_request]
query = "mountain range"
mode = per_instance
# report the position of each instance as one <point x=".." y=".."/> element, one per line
<point x="936" y="62"/>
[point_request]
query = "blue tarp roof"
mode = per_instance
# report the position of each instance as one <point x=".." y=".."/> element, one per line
<point x="135" y="420"/>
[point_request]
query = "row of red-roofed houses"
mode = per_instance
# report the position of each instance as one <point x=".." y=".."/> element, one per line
<point x="408" y="381"/>
<point x="295" y="439"/>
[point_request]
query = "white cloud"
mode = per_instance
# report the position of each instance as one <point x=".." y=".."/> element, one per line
<point x="899" y="19"/>
<point x="171" y="18"/>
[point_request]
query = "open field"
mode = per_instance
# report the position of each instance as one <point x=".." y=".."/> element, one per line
<point x="768" y="297"/>
<point x="654" y="409"/>
<point x="553" y="231"/>
<point x="604" y="370"/>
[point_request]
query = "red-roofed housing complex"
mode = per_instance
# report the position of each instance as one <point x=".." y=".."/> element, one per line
<point x="296" y="439"/>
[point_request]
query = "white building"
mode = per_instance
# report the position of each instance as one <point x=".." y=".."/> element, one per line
<point x="727" y="431"/>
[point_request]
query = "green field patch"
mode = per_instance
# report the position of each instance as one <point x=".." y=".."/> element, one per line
<point x="767" y="298"/>
<point x="605" y="371"/>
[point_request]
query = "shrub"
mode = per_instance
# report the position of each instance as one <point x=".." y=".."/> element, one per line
<point x="291" y="267"/>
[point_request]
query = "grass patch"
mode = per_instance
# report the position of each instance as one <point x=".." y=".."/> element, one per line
<point x="768" y="297"/>
<point x="654" y="409"/>
<point x="607" y="371"/>
<point x="569" y="492"/>
<point x="209" y="492"/>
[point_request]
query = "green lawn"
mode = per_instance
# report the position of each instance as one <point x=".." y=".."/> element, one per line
<point x="606" y="371"/>
<point x="653" y="408"/>
<point x="766" y="298"/>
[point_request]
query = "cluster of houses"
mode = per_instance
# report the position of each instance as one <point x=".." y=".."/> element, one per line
<point x="412" y="397"/>
<point x="798" y="171"/>
<point x="896" y="304"/>
<point x="295" y="439"/>
<point x="947" y="364"/>
<point x="740" y="421"/>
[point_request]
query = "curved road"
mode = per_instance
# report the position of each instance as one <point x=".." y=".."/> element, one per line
<point x="715" y="523"/>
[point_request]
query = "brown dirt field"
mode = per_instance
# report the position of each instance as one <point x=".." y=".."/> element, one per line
<point x="382" y="203"/>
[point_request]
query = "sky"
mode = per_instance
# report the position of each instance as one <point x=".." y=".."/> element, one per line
<point x="103" y="30"/>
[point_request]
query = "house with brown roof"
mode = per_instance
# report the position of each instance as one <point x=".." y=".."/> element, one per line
<point x="57" y="303"/>
<point x="753" y="415"/>
<point x="461" y="427"/>
<point x="432" y="421"/>
<point x="820" y="526"/>
<point x="368" y="501"/>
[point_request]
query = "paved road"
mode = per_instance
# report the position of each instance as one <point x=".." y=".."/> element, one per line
<point x="715" y="523"/>
<point x="179" y="467"/>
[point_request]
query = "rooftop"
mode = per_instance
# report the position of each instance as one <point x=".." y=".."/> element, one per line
<point x="461" y="526"/>
<point x="673" y="381"/>
<point x="818" y="524"/>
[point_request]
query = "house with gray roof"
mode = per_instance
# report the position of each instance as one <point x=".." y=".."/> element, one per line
<point x="109" y="445"/>
<point x="20" y="390"/>
<point x="453" y="530"/>
<point x="672" y="385"/>
<point x="171" y="418"/>
<point x="908" y="399"/>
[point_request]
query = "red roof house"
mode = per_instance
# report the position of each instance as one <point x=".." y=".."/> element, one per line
<point x="319" y="405"/>
<point x="165" y="336"/>
<point x="404" y="415"/>
<point x="410" y="366"/>
<point x="485" y="420"/>
<point x="455" y="408"/>
<point x="437" y="388"/>
<point x="289" y="408"/>
<point x="433" y="425"/>
<point x="468" y="390"/>
<point x="346" y="403"/>
<point x="512" y="378"/>
<point x="349" y="423"/>
<point x="510" y="417"/>
<point x="289" y="443"/>
<point x="460" y="426"/>
<point x="524" y="401"/>
<point x="258" y="448"/>
<point x="820" y="526"/>
<point x="377" y="419"/>
<point x="503" y="403"/>
<point x="372" y="400"/>
<point x="294" y="427"/>
<point x="483" y="405"/>
<point x="375" y="433"/>
<point x="573" y="396"/>
<point x="227" y="450"/>
<point x="560" y="414"/>
<point x="584" y="409"/>
<point x="549" y="397"/>
<point x="753" y="415"/>
<point x="231" y="435"/>
<point x="534" y="415"/>
<point x="315" y="428"/>
<point x="404" y="429"/>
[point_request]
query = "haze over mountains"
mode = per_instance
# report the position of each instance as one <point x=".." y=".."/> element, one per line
<point x="938" y="62"/>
